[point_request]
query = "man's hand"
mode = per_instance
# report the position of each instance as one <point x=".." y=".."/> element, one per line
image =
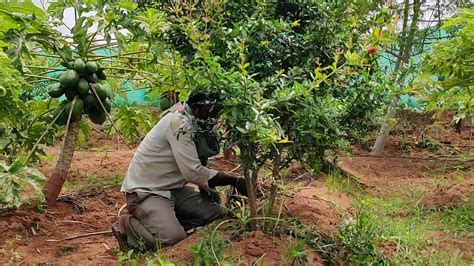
<point x="212" y="194"/>
<point x="223" y="179"/>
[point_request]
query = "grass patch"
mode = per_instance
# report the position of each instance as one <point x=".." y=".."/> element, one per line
<point x="136" y="258"/>
<point x="380" y="223"/>
<point x="393" y="230"/>
<point x="459" y="220"/>
<point x="345" y="184"/>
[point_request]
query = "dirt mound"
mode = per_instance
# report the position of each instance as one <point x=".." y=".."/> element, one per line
<point x="39" y="237"/>
<point x="449" y="197"/>
<point x="181" y="254"/>
<point x="310" y="207"/>
<point x="443" y="240"/>
<point x="382" y="176"/>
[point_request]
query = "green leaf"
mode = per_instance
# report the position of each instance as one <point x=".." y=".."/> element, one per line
<point x="17" y="165"/>
<point x="34" y="178"/>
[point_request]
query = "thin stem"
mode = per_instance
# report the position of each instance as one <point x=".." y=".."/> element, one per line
<point x="36" y="118"/>
<point x="89" y="45"/>
<point x="46" y="55"/>
<point x="49" y="68"/>
<point x="38" y="81"/>
<point x="117" y="55"/>
<point x="41" y="77"/>
<point x="42" y="135"/>
<point x="128" y="69"/>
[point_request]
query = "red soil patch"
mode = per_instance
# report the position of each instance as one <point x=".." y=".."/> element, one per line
<point x="310" y="207"/>
<point x="388" y="176"/>
<point x="445" y="241"/>
<point x="39" y="231"/>
<point x="450" y="197"/>
<point x="268" y="250"/>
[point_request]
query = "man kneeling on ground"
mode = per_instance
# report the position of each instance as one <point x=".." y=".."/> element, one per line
<point x="172" y="154"/>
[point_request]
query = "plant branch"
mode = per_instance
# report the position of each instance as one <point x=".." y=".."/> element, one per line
<point x="42" y="77"/>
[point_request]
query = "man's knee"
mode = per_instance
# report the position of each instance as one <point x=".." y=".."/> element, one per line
<point x="214" y="212"/>
<point x="172" y="237"/>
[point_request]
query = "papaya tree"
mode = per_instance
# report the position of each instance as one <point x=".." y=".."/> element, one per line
<point x="71" y="69"/>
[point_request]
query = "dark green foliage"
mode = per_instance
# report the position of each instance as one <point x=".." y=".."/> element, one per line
<point x="359" y="239"/>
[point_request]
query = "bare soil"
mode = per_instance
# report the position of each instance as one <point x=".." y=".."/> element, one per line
<point x="450" y="197"/>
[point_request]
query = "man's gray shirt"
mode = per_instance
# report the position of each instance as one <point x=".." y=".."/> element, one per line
<point x="167" y="157"/>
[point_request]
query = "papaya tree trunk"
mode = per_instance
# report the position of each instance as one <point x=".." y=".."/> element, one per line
<point x="57" y="178"/>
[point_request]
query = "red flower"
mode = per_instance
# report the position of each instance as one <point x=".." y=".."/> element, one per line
<point x="372" y="50"/>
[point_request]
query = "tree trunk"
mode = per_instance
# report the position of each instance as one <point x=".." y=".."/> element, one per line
<point x="250" y="177"/>
<point x="276" y="178"/>
<point x="250" y="174"/>
<point x="400" y="67"/>
<point x="57" y="178"/>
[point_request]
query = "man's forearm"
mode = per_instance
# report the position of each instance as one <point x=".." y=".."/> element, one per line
<point x="224" y="179"/>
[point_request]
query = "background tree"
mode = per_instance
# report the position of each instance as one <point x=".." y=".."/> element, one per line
<point x="421" y="22"/>
<point x="451" y="65"/>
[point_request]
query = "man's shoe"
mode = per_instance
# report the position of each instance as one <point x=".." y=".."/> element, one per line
<point x="121" y="238"/>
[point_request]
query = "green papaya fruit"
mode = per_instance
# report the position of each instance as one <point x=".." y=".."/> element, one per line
<point x="165" y="103"/>
<point x="108" y="89"/>
<point x="55" y="90"/>
<point x="90" y="100"/>
<point x="101" y="75"/>
<point x="92" y="77"/>
<point x="80" y="66"/>
<point x="70" y="93"/>
<point x="62" y="119"/>
<point x="97" y="116"/>
<point x="82" y="86"/>
<point x="101" y="92"/>
<point x="107" y="105"/>
<point x="77" y="109"/>
<point x="69" y="78"/>
<point x="91" y="67"/>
